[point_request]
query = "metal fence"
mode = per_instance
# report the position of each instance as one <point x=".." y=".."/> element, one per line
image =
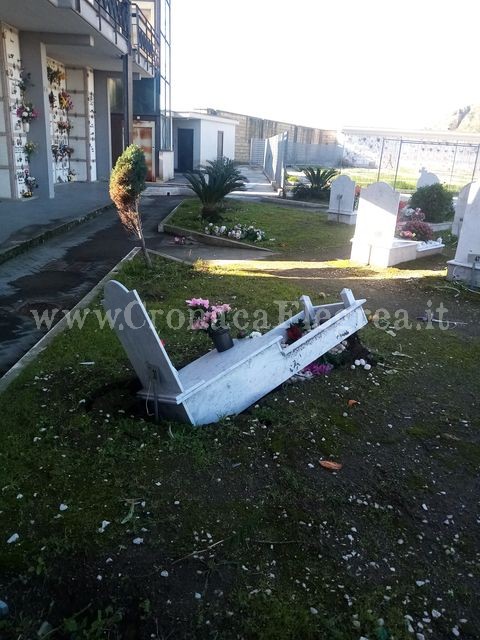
<point x="400" y="162"/>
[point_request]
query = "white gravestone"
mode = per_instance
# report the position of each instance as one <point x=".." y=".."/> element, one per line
<point x="342" y="201"/>
<point x="426" y="178"/>
<point x="466" y="265"/>
<point x="374" y="236"/>
<point x="461" y="205"/>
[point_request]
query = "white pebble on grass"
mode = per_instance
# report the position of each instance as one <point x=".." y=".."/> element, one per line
<point x="164" y="574"/>
<point x="137" y="541"/>
<point x="63" y="507"/>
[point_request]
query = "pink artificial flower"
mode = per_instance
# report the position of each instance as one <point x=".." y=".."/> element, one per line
<point x="223" y="308"/>
<point x="198" y="302"/>
<point x="319" y="369"/>
<point x="200" y="325"/>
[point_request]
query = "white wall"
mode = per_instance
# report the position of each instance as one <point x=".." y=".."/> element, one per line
<point x="210" y="129"/>
<point x="187" y="123"/>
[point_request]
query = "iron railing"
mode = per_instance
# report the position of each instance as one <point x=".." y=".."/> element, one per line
<point x="145" y="42"/>
<point x="116" y="13"/>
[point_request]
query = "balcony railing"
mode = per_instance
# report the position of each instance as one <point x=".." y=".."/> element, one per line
<point x="145" y="43"/>
<point x="116" y="13"/>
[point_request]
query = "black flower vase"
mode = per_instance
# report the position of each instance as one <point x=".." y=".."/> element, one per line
<point x="221" y="338"/>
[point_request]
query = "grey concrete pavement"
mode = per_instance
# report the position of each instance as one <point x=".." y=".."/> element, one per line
<point x="257" y="185"/>
<point x="22" y="220"/>
<point x="59" y="273"/>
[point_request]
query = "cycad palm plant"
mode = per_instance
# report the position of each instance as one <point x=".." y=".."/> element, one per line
<point x="319" y="187"/>
<point x="320" y="178"/>
<point x="212" y="182"/>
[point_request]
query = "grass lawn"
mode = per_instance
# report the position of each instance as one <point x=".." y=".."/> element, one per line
<point x="288" y="230"/>
<point x="244" y="534"/>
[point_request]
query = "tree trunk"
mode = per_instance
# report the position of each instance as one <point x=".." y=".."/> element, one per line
<point x="146" y="255"/>
<point x="141" y="237"/>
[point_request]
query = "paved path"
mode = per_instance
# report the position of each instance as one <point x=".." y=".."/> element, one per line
<point x="257" y="185"/>
<point x="21" y="220"/>
<point x="58" y="273"/>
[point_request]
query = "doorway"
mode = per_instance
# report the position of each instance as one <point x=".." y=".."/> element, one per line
<point x="116" y="121"/>
<point x="185" y="149"/>
<point x="219" y="144"/>
<point x="144" y="137"/>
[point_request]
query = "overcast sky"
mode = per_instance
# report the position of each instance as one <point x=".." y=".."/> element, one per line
<point x="327" y="64"/>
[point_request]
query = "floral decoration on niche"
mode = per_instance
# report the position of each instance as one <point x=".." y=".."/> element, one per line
<point x="55" y="76"/>
<point x="65" y="101"/>
<point x="26" y="112"/>
<point x="64" y="126"/>
<point x="30" y="184"/>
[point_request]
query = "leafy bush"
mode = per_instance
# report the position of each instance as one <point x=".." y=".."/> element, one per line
<point x="435" y="201"/>
<point x="213" y="182"/>
<point x="127" y="181"/>
<point x="418" y="230"/>
<point x="319" y="187"/>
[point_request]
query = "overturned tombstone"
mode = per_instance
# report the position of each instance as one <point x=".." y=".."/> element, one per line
<point x="226" y="383"/>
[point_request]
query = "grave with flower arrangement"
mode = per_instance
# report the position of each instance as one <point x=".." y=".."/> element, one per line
<point x="375" y="242"/>
<point x="220" y="384"/>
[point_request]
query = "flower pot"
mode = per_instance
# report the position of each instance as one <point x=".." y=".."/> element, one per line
<point x="26" y="127"/>
<point x="221" y="339"/>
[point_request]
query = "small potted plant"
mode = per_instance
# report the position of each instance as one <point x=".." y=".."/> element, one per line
<point x="213" y="320"/>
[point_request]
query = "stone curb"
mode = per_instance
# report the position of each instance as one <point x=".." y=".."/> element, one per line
<point x="25" y="245"/>
<point x="45" y="340"/>
<point x="213" y="240"/>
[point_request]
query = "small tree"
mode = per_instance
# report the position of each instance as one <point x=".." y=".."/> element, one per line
<point x="435" y="201"/>
<point x="213" y="182"/>
<point x="127" y="181"/>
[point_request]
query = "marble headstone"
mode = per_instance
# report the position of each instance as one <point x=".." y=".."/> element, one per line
<point x="342" y="196"/>
<point x="463" y="199"/>
<point x="376" y="220"/>
<point x="426" y="178"/>
<point x="469" y="238"/>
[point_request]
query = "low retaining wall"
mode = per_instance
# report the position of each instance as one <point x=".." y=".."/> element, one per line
<point x="172" y="229"/>
<point x="218" y="241"/>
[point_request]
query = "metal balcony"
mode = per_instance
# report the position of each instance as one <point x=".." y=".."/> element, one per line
<point x="145" y="42"/>
<point x="116" y="13"/>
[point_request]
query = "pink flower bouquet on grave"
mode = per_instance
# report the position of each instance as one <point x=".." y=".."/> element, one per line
<point x="207" y="317"/>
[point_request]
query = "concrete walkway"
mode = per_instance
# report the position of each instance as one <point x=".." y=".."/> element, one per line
<point x="23" y="220"/>
<point x="26" y="223"/>
<point x="257" y="185"/>
<point x="59" y="272"/>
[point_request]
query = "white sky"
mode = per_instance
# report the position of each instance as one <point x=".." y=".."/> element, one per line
<point x="403" y="64"/>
